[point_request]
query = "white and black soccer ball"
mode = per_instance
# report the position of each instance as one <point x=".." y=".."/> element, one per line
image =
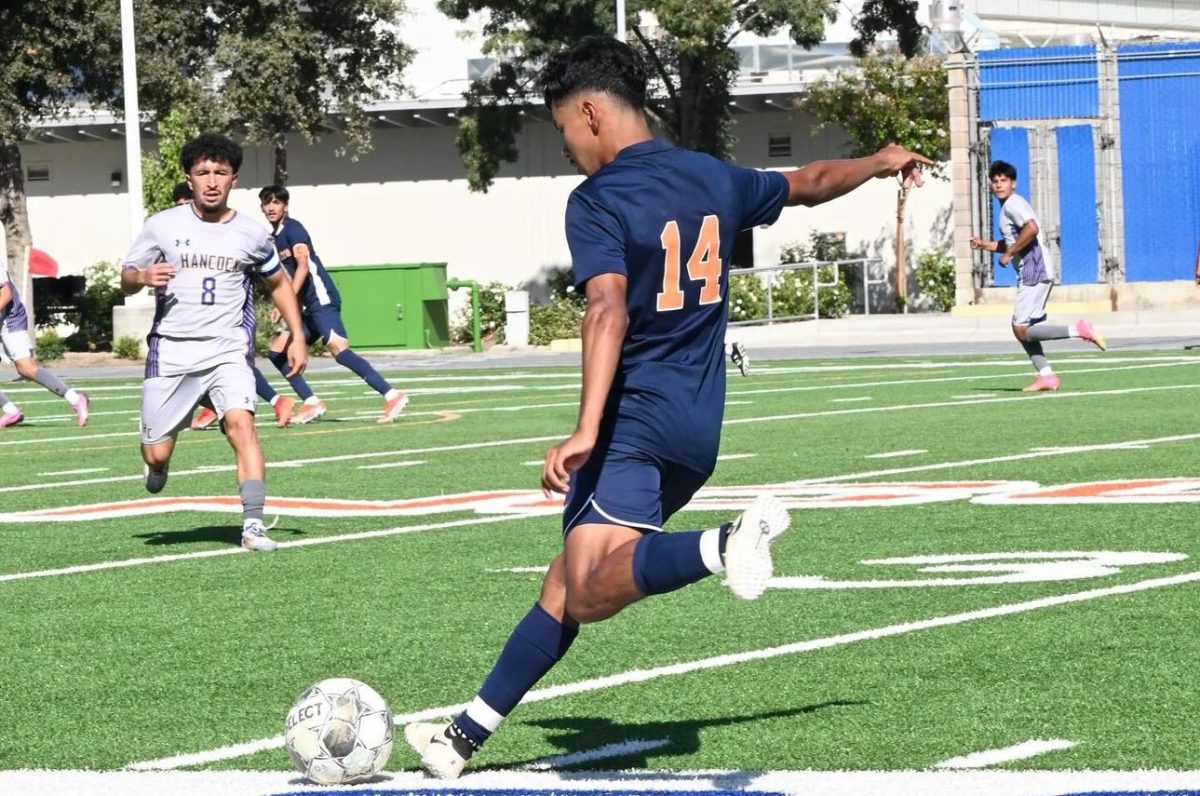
<point x="339" y="731"/>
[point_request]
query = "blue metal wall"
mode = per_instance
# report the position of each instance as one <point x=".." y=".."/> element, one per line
<point x="1010" y="144"/>
<point x="1077" y="223"/>
<point x="1038" y="83"/>
<point x="1160" y="151"/>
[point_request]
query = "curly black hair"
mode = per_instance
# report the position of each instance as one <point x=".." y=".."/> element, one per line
<point x="595" y="63"/>
<point x="210" y="146"/>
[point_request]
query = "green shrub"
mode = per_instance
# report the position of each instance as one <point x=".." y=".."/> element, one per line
<point x="747" y="297"/>
<point x="127" y="347"/>
<point x="491" y="314"/>
<point x="935" y="279"/>
<point x="95" y="319"/>
<point x="49" y="346"/>
<point x="561" y="319"/>
<point x="792" y="291"/>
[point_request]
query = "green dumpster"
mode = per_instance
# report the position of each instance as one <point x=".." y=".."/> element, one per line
<point x="394" y="305"/>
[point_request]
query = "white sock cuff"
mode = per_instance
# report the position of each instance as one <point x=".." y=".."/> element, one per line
<point x="1073" y="330"/>
<point x="710" y="550"/>
<point x="483" y="715"/>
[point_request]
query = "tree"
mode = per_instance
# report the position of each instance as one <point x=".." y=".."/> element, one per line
<point x="888" y="98"/>
<point x="688" y="50"/>
<point x="284" y="65"/>
<point x="161" y="170"/>
<point x="57" y="52"/>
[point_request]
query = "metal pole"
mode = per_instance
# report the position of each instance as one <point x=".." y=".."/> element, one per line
<point x="621" y="20"/>
<point x="133" y="140"/>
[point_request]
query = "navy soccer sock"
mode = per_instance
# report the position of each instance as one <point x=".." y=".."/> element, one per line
<point x="351" y="360"/>
<point x="664" y="562"/>
<point x="263" y="387"/>
<point x="279" y="360"/>
<point x="538" y="642"/>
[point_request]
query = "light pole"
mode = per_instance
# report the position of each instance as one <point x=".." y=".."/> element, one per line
<point x="133" y="139"/>
<point x="621" y="20"/>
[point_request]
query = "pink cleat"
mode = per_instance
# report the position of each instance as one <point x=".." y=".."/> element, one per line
<point x="1047" y="383"/>
<point x="393" y="408"/>
<point x="81" y="409"/>
<point x="11" y="418"/>
<point x="1089" y="333"/>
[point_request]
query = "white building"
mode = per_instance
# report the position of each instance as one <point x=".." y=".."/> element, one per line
<point x="407" y="200"/>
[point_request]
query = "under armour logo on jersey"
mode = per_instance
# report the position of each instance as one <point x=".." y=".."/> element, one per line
<point x="185" y="242"/>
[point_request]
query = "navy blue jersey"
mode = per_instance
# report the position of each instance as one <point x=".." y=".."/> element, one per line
<point x="666" y="219"/>
<point x="319" y="289"/>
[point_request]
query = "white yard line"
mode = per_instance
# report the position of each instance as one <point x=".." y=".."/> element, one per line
<point x="896" y="454"/>
<point x="617" y="783"/>
<point x="737" y="421"/>
<point x="623" y="749"/>
<point x="388" y="465"/>
<point x="1008" y="754"/>
<point x="850" y="400"/>
<point x="77" y="472"/>
<point x="234" y="550"/>
<point x="703" y="664"/>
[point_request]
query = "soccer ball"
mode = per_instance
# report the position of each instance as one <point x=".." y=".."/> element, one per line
<point x="339" y="731"/>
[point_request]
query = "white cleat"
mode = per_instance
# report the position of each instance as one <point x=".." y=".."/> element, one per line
<point x="444" y="751"/>
<point x="748" y="548"/>
<point x="254" y="537"/>
<point x="739" y="357"/>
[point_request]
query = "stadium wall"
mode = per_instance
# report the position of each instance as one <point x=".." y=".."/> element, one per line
<point x="407" y="201"/>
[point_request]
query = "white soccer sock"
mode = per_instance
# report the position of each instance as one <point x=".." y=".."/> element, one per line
<point x="72" y="397"/>
<point x="1073" y="330"/>
<point x="710" y="550"/>
<point x="11" y="408"/>
<point x="392" y="394"/>
<point x="1046" y="371"/>
<point x="312" y="400"/>
<point x="276" y="398"/>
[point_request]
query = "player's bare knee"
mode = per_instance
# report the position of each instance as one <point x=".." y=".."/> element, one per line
<point x="336" y="344"/>
<point x="27" y="367"/>
<point x="239" y="427"/>
<point x="1019" y="331"/>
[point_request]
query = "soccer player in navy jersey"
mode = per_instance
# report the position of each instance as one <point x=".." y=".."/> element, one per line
<point x="321" y="310"/>
<point x="651" y="231"/>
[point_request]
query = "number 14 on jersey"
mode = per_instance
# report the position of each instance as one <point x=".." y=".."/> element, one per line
<point x="704" y="265"/>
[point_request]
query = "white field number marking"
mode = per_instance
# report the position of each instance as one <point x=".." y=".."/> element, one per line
<point x="996" y="569"/>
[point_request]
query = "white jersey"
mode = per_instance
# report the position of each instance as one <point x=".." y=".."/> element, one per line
<point x="205" y="315"/>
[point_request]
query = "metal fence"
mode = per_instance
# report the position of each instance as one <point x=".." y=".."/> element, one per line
<point x="861" y="281"/>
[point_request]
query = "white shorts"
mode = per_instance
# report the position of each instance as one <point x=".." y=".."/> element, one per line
<point x="168" y="401"/>
<point x="1030" y="306"/>
<point x="17" y="344"/>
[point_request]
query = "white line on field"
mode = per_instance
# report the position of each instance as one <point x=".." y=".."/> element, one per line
<point x="702" y="664"/>
<point x="728" y="457"/>
<point x="739" y="421"/>
<point x="622" y="749"/>
<point x="386" y="465"/>
<point x="1015" y="457"/>
<point x="974" y="395"/>
<point x="1192" y="362"/>
<point x="850" y="400"/>
<point x="896" y="454"/>
<point x="1009" y="754"/>
<point x="971" y="400"/>
<point x="77" y="472"/>
<point x="214" y="468"/>
<point x="234" y="550"/>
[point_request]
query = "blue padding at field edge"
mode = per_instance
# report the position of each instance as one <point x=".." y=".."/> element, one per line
<point x="1135" y="793"/>
<point x="543" y="792"/>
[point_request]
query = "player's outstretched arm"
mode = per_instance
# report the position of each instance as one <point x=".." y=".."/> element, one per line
<point x="822" y="180"/>
<point x="285" y="300"/>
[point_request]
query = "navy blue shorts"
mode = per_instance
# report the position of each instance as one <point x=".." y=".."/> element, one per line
<point x="323" y="322"/>
<point x="621" y="485"/>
